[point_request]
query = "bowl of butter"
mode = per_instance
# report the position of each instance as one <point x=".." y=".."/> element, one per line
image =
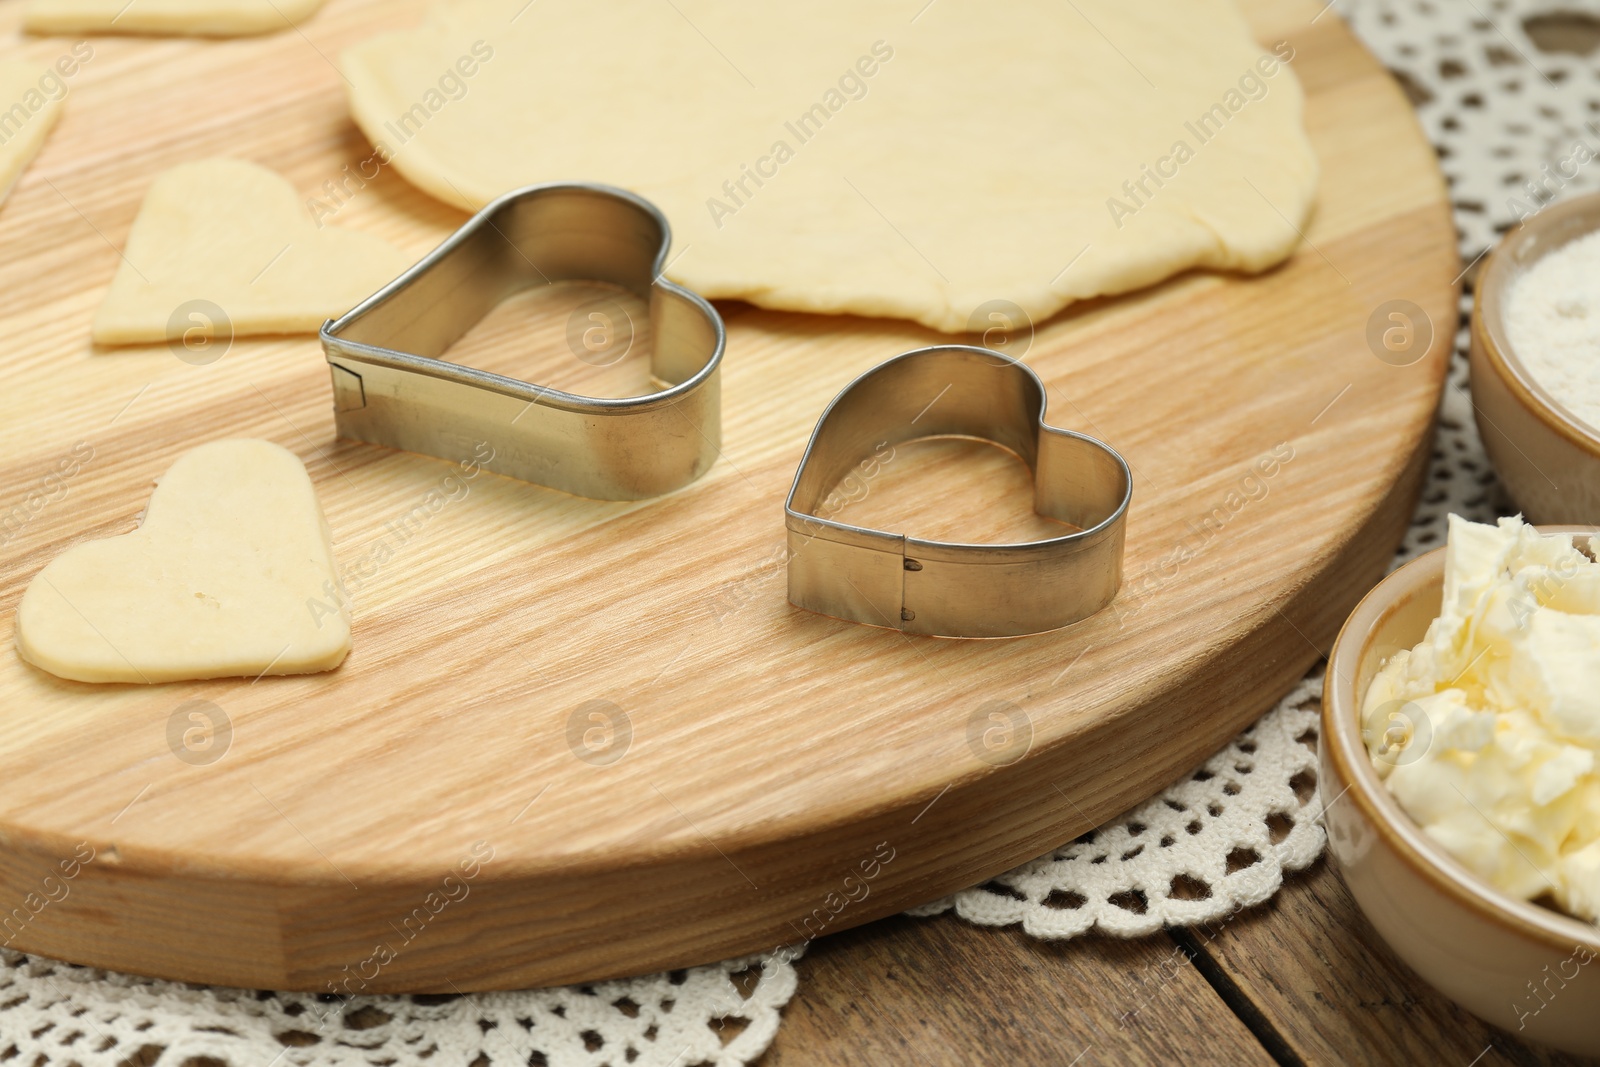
<point x="1460" y="764"/>
<point x="1535" y="375"/>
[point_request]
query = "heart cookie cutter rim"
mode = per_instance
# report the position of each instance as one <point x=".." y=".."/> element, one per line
<point x="393" y="387"/>
<point x="953" y="589"/>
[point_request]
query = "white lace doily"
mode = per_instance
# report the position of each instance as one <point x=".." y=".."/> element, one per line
<point x="1499" y="108"/>
<point x="54" y="1014"/>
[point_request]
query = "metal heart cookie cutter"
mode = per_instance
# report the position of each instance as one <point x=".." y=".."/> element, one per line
<point x="391" y="386"/>
<point x="941" y="588"/>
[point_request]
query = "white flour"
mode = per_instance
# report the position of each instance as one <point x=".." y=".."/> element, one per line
<point x="1553" y="324"/>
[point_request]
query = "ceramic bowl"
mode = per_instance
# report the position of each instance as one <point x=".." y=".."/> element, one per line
<point x="1547" y="458"/>
<point x="1527" y="969"/>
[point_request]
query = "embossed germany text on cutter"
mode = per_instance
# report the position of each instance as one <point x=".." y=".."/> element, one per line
<point x="391" y="386"/>
<point x="942" y="588"/>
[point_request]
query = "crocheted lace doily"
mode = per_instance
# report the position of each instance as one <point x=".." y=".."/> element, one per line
<point x="54" y="1014"/>
<point x="1493" y="102"/>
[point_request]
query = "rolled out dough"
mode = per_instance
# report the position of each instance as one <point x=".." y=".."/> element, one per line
<point x="881" y="157"/>
<point x="173" y="18"/>
<point x="30" y="104"/>
<point x="237" y="236"/>
<point x="231" y="574"/>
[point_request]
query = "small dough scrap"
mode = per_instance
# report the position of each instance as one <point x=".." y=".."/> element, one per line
<point x="932" y="161"/>
<point x="234" y="237"/>
<point x="231" y="574"/>
<point x="30" y="105"/>
<point x="168" y="18"/>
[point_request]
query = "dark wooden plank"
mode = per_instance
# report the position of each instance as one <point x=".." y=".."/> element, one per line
<point x="1310" y="965"/>
<point x="940" y="991"/>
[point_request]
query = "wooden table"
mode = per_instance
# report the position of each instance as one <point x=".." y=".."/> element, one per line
<point x="1303" y="979"/>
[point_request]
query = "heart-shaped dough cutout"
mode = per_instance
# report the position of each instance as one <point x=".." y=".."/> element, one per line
<point x="30" y="97"/>
<point x="231" y="574"/>
<point x="221" y="237"/>
<point x="173" y="18"/>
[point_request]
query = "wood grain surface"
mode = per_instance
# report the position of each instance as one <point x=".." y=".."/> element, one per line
<point x="767" y="753"/>
<point x="940" y="991"/>
<point x="1313" y="970"/>
<point x="1302" y="981"/>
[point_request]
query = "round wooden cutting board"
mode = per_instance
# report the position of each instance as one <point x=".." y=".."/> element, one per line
<point x="580" y="739"/>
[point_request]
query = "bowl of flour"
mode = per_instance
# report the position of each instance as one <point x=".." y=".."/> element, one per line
<point x="1535" y="361"/>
